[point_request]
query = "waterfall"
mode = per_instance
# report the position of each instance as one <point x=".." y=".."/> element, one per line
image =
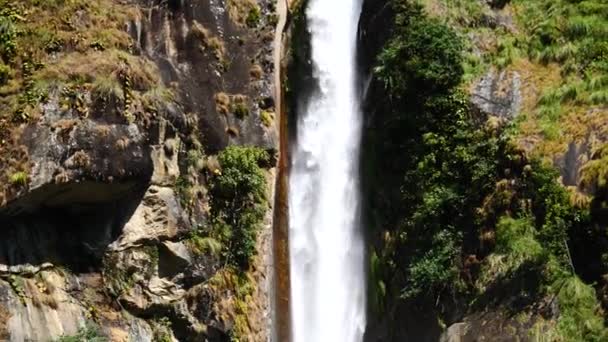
<point x="326" y="247"/>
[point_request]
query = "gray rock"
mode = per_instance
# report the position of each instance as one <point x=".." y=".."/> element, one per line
<point x="158" y="217"/>
<point x="455" y="333"/>
<point x="174" y="258"/>
<point x="498" y="94"/>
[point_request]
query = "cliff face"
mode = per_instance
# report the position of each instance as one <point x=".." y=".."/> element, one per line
<point x="483" y="193"/>
<point x="115" y="118"/>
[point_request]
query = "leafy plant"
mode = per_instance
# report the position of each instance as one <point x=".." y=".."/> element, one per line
<point x="19" y="178"/>
<point x="90" y="332"/>
<point x="238" y="201"/>
<point x="253" y="17"/>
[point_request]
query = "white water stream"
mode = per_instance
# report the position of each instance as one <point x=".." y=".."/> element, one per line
<point x="326" y="247"/>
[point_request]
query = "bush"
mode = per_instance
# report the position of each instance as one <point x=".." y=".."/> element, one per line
<point x="424" y="58"/>
<point x="436" y="269"/>
<point x="5" y="74"/>
<point x="19" y="178"/>
<point x="8" y="34"/>
<point x="88" y="333"/>
<point x="578" y="320"/>
<point x="253" y="16"/>
<point x="238" y="201"/>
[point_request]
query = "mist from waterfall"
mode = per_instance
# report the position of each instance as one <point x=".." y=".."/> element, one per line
<point x="326" y="244"/>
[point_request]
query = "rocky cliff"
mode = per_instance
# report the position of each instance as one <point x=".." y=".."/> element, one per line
<point x="124" y="214"/>
<point x="485" y="126"/>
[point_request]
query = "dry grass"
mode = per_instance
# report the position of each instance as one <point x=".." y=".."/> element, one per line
<point x="86" y="68"/>
<point x="233" y="132"/>
<point x="222" y="103"/>
<point x="4" y="317"/>
<point x="236" y="104"/>
<point x="75" y="50"/>
<point x="209" y="41"/>
<point x="240" y="10"/>
<point x="256" y="72"/>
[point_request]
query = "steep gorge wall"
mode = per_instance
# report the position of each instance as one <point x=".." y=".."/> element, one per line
<point x="110" y="223"/>
<point x="442" y="263"/>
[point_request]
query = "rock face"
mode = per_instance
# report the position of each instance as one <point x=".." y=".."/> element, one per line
<point x="98" y="231"/>
<point x="217" y="62"/>
<point x="498" y="94"/>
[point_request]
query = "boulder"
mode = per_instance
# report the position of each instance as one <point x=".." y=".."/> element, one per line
<point x="498" y="94"/>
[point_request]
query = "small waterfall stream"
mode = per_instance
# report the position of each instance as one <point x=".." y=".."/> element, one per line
<point x="326" y="247"/>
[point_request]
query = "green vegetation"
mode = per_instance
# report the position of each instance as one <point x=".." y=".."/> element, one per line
<point x="162" y="330"/>
<point x="239" y="288"/>
<point x="240" y="110"/>
<point x="116" y="279"/>
<point x="19" y="178"/>
<point x="253" y="17"/>
<point x="238" y="201"/>
<point x="578" y="320"/>
<point x="267" y="118"/>
<point x="465" y="211"/>
<point x="72" y="52"/>
<point x="558" y="47"/>
<point x="90" y="332"/>
<point x="245" y="12"/>
<point x="18" y="285"/>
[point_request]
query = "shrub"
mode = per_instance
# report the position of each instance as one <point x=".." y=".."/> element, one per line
<point x="436" y="269"/>
<point x="19" y="178"/>
<point x="240" y="110"/>
<point x="90" y="332"/>
<point x="424" y="58"/>
<point x="8" y="34"/>
<point x="253" y="17"/>
<point x="238" y="201"/>
<point x="5" y="74"/>
<point x="578" y="320"/>
<point x="267" y="118"/>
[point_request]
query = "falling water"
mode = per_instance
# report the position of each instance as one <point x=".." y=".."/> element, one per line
<point x="326" y="247"/>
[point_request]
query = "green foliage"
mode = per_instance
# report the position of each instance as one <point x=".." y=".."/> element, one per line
<point x="253" y="16"/>
<point x="451" y="188"/>
<point x="517" y="237"/>
<point x="5" y="74"/>
<point x="554" y="214"/>
<point x="8" y="32"/>
<point x="107" y="88"/>
<point x="118" y="280"/>
<point x="18" y="285"/>
<point x="19" y="178"/>
<point x="90" y="332"/>
<point x="201" y="243"/>
<point x="449" y="165"/>
<point x="376" y="285"/>
<point x="238" y="201"/>
<point x="578" y="320"/>
<point x="573" y="33"/>
<point x="435" y="270"/>
<point x="595" y="172"/>
<point x="240" y="110"/>
<point x="516" y="245"/>
<point x="161" y="330"/>
<point x="267" y="118"/>
<point x="428" y="61"/>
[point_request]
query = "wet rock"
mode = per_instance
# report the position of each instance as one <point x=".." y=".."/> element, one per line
<point x="571" y="162"/>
